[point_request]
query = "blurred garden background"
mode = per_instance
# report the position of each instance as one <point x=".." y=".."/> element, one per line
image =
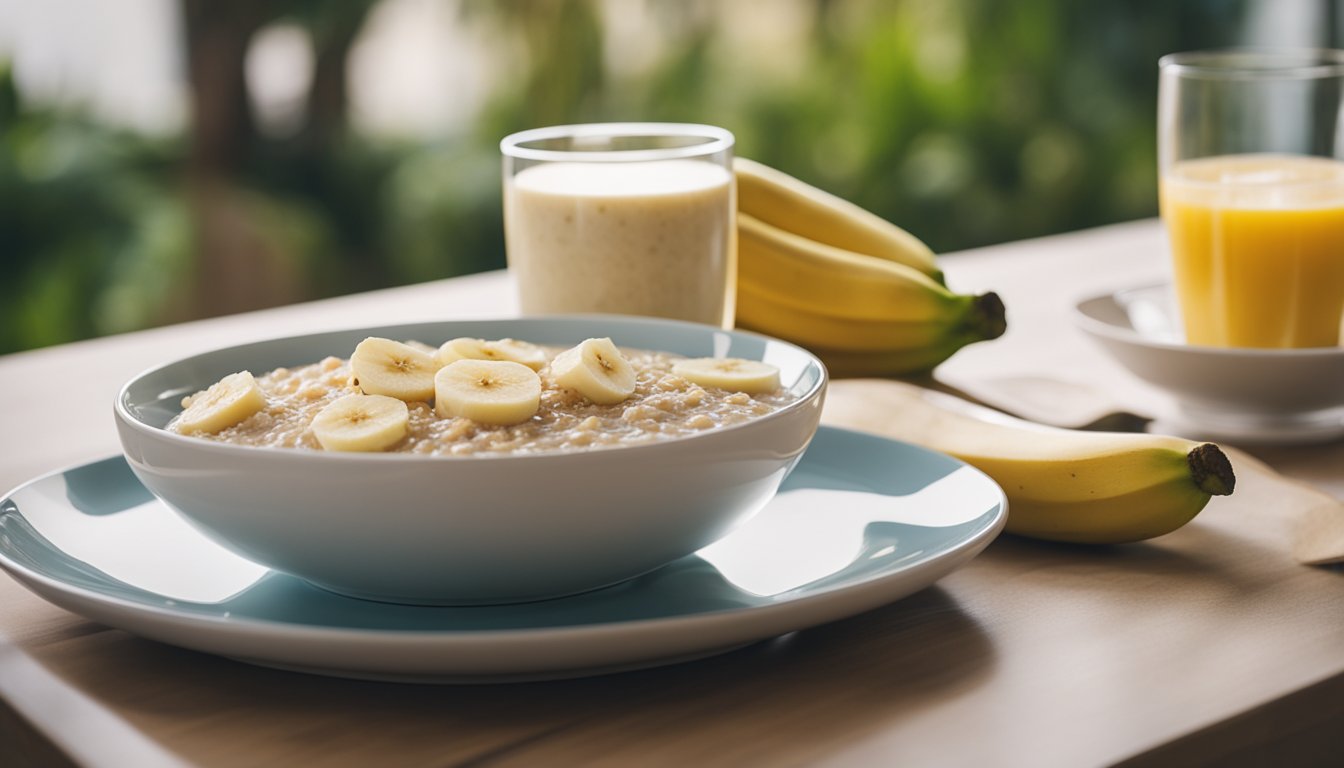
<point x="162" y="160"/>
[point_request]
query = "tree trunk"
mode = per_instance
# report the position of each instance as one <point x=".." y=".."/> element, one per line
<point x="222" y="126"/>
<point x="334" y="34"/>
<point x="223" y="132"/>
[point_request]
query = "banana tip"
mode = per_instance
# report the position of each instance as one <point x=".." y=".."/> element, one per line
<point x="991" y="316"/>
<point x="1211" y="470"/>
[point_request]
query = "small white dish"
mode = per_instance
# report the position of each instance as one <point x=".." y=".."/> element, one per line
<point x="1251" y="395"/>
<point x="862" y="521"/>
<point x="471" y="529"/>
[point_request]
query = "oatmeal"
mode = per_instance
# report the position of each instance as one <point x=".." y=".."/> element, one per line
<point x="664" y="404"/>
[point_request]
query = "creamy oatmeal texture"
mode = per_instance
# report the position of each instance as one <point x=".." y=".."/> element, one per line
<point x="664" y="405"/>
<point x="643" y="238"/>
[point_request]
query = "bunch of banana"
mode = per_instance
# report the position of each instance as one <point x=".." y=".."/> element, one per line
<point x="1062" y="485"/>
<point x="862" y="293"/>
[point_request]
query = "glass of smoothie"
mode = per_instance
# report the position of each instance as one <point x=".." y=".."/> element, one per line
<point x="626" y="218"/>
<point x="1250" y="144"/>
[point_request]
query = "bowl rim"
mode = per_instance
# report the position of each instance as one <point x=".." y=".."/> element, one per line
<point x="124" y="415"/>
<point x="1128" y="335"/>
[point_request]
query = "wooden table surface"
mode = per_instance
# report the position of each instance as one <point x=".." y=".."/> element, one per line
<point x="1207" y="646"/>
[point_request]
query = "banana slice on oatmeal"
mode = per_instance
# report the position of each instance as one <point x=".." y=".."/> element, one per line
<point x="229" y="401"/>
<point x="512" y="350"/>
<point x="361" y="423"/>
<point x="596" y="369"/>
<point x="498" y="392"/>
<point x="386" y="367"/>
<point x="731" y="373"/>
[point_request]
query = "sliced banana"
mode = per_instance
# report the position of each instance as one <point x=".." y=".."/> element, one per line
<point x="498" y="392"/>
<point x="596" y="369"/>
<point x="361" y="423"/>
<point x="227" y="402"/>
<point x="731" y="373"/>
<point x="428" y="349"/>
<point x="386" y="367"/>
<point x="465" y="348"/>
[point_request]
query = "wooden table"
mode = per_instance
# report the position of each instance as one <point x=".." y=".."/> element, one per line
<point x="1207" y="646"/>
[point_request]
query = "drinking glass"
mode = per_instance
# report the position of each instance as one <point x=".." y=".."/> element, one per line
<point x="628" y="218"/>
<point x="1250" y="144"/>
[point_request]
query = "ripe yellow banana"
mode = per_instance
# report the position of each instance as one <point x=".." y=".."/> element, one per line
<point x="817" y="327"/>
<point x="783" y="201"/>
<point x="863" y="316"/>
<point x="804" y="273"/>
<point x="1062" y="485"/>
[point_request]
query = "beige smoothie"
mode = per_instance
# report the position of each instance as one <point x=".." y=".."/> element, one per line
<point x="640" y="238"/>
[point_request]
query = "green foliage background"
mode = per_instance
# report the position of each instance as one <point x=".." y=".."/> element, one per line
<point x="969" y="122"/>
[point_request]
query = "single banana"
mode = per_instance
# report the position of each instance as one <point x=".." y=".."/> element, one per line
<point x="804" y="274"/>
<point x="361" y="423"/>
<point x="498" y="392"/>
<point x="386" y="367"/>
<point x="1062" y="485"/>
<point x="783" y="201"/>
<point x="730" y="373"/>
<point x="596" y="369"/>
<point x="531" y="355"/>
<point x="227" y="402"/>
<point x="972" y="318"/>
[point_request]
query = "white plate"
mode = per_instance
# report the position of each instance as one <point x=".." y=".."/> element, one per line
<point x="861" y="521"/>
<point x="1252" y="395"/>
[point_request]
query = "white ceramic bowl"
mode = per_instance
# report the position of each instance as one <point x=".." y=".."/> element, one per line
<point x="475" y="529"/>
<point x="1271" y="395"/>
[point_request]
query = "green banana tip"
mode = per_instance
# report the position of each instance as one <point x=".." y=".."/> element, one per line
<point x="1211" y="470"/>
<point x="990" y="316"/>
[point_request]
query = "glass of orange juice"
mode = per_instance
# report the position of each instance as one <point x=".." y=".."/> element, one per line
<point x="1251" y="163"/>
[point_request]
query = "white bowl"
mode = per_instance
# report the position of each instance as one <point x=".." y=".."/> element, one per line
<point x="1274" y="395"/>
<point x="474" y="529"/>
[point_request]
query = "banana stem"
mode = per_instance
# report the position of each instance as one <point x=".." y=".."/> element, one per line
<point x="1211" y="470"/>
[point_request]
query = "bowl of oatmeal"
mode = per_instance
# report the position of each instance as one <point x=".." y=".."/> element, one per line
<point x="474" y="461"/>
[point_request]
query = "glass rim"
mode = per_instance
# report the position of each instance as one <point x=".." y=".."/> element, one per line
<point x="716" y="140"/>
<point x="1255" y="63"/>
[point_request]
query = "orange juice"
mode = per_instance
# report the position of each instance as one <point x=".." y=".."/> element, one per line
<point x="1258" y="249"/>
